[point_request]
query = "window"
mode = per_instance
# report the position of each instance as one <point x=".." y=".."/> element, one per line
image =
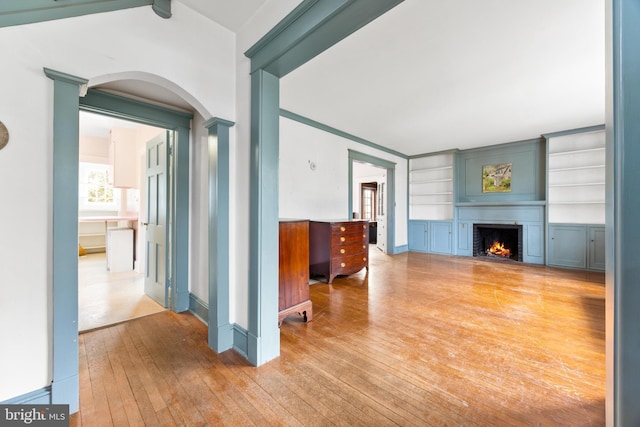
<point x="95" y="190"/>
<point x="368" y="201"/>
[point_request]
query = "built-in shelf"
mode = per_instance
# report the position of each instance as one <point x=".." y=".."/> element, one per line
<point x="572" y="152"/>
<point x="572" y="160"/>
<point x="431" y="187"/>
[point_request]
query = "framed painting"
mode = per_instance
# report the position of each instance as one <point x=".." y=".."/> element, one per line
<point x="496" y="178"/>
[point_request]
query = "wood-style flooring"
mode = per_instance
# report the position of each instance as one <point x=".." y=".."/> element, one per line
<point x="106" y="298"/>
<point x="422" y="340"/>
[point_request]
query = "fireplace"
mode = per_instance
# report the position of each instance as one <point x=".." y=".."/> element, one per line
<point x="498" y="241"/>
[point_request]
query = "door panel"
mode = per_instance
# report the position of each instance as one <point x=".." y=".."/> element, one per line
<point x="155" y="283"/>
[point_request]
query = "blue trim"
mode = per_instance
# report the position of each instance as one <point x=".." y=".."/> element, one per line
<point x="401" y="249"/>
<point x="622" y="203"/>
<point x="355" y="156"/>
<point x="220" y="333"/>
<point x="199" y="308"/>
<point x="162" y="8"/>
<point x="97" y="101"/>
<point x="30" y="11"/>
<point x="65" y="386"/>
<point x="241" y="340"/>
<point x="37" y="397"/>
<point x="573" y="131"/>
<point x="309" y="122"/>
<point x="313" y="27"/>
<point x="264" y="334"/>
<point x="180" y="213"/>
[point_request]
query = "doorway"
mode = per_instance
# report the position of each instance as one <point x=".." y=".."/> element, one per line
<point x="364" y="169"/>
<point x="112" y="195"/>
<point x="369" y="200"/>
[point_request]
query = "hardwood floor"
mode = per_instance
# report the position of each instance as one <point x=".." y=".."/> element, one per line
<point x="105" y="298"/>
<point x="421" y="340"/>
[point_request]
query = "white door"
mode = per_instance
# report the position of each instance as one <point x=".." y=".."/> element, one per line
<point x="381" y="241"/>
<point x="155" y="283"/>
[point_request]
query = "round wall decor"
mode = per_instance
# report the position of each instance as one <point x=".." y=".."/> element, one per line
<point x="4" y="136"/>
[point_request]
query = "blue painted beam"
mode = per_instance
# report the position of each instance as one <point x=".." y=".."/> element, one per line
<point x="310" y="29"/>
<point x="14" y="12"/>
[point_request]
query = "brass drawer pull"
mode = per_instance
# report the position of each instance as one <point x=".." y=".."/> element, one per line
<point x="364" y="247"/>
<point x="342" y="229"/>
<point x="364" y="258"/>
<point x="343" y="265"/>
<point x="342" y="239"/>
<point x="342" y="251"/>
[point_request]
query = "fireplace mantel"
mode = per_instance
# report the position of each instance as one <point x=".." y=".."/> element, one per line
<point x="509" y="203"/>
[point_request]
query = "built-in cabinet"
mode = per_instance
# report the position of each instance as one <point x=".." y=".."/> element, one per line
<point x="577" y="246"/>
<point x="430" y="236"/>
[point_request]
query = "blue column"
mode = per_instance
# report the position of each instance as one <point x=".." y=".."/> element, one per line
<point x="623" y="205"/>
<point x="220" y="330"/>
<point x="181" y="210"/>
<point x="263" y="335"/>
<point x="66" y="94"/>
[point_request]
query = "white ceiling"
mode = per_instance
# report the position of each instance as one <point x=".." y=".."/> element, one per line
<point x="434" y="75"/>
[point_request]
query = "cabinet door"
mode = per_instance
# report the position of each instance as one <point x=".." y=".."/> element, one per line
<point x="440" y="232"/>
<point x="465" y="238"/>
<point x="568" y="245"/>
<point x="596" y="248"/>
<point x="418" y="236"/>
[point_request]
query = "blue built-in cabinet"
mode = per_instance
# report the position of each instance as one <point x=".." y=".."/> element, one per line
<point x="577" y="246"/>
<point x="431" y="236"/>
<point x="419" y="236"/>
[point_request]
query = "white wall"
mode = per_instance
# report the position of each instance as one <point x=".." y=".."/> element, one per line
<point x="323" y="193"/>
<point x="187" y="52"/>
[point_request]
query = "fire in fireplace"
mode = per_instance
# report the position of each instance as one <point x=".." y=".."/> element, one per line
<point x="499" y="241"/>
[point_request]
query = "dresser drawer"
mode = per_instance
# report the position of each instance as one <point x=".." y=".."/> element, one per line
<point x="349" y="264"/>
<point x="349" y="238"/>
<point x="348" y="250"/>
<point x="348" y="227"/>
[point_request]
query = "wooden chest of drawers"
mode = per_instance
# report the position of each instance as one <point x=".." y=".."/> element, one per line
<point x="338" y="247"/>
